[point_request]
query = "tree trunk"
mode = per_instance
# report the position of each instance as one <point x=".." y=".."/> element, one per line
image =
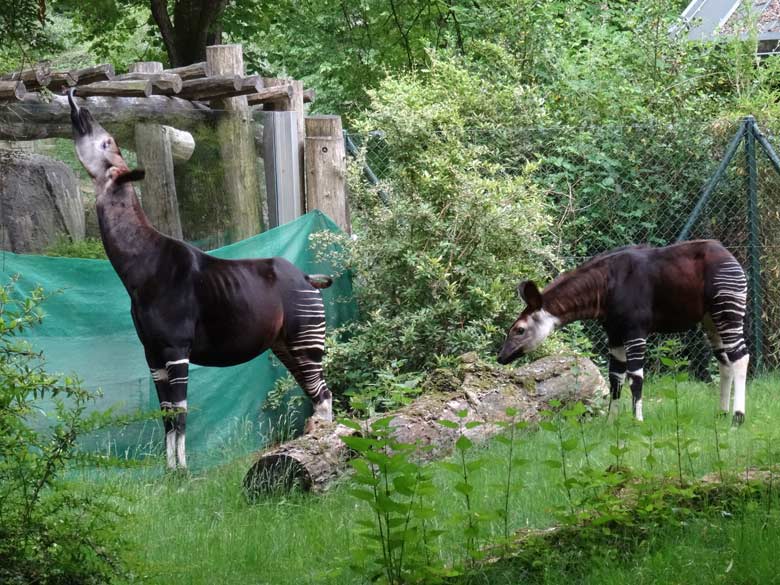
<point x="195" y="25"/>
<point x="312" y="462"/>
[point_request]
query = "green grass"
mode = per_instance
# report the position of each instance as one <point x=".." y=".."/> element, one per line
<point x="201" y="529"/>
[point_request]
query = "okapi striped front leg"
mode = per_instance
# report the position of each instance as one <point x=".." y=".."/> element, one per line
<point x="171" y="384"/>
<point x="635" y="362"/>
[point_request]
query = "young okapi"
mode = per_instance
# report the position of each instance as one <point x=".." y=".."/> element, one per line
<point x="188" y="306"/>
<point x="637" y="290"/>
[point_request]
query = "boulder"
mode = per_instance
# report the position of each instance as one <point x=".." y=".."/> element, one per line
<point x="39" y="202"/>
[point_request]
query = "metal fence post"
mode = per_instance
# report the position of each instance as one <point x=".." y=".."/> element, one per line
<point x="713" y="182"/>
<point x="754" y="253"/>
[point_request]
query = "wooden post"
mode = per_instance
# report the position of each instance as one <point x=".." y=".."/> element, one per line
<point x="236" y="143"/>
<point x="326" y="169"/>
<point x="153" y="149"/>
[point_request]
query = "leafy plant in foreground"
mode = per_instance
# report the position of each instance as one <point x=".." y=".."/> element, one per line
<point x="52" y="531"/>
<point x="397" y="543"/>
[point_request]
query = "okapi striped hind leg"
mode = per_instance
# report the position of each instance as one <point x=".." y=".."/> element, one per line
<point x="617" y="377"/>
<point x="728" y="338"/>
<point x="302" y="352"/>
<point x="635" y="361"/>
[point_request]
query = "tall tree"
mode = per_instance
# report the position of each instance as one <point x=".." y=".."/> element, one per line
<point x="195" y="24"/>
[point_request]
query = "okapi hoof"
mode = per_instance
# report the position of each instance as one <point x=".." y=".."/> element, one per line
<point x="739" y="418"/>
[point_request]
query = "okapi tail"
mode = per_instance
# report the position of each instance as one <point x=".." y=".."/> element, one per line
<point x="319" y="280"/>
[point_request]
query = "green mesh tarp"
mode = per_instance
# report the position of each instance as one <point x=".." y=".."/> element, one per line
<point x="88" y="331"/>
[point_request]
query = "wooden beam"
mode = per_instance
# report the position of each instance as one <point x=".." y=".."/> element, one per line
<point x="104" y="72"/>
<point x="34" y="118"/>
<point x="218" y="87"/>
<point x="114" y="88"/>
<point x="12" y="90"/>
<point x="61" y="80"/>
<point x="270" y="94"/>
<point x="188" y="72"/>
<point x="326" y="169"/>
<point x="33" y="78"/>
<point x="162" y="83"/>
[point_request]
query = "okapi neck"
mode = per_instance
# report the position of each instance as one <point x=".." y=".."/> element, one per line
<point x="128" y="237"/>
<point x="572" y="300"/>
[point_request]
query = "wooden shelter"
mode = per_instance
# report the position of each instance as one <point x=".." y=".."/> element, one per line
<point x="155" y="111"/>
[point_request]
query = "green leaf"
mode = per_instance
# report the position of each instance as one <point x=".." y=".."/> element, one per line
<point x="548" y="426"/>
<point x="362" y="494"/>
<point x="350" y="423"/>
<point x="448" y="424"/>
<point x="463" y="443"/>
<point x="473" y="424"/>
<point x="570" y="444"/>
<point x="462" y="413"/>
<point x="359" y="444"/>
<point x="464" y="488"/>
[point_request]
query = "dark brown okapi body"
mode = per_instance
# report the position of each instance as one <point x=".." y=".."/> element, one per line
<point x="638" y="290"/>
<point x="188" y="306"/>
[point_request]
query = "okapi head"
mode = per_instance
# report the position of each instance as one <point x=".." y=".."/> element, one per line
<point x="97" y="150"/>
<point x="531" y="328"/>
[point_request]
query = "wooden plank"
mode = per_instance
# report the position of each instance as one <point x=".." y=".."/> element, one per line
<point x="188" y="72"/>
<point x="270" y="94"/>
<point x="114" y="88"/>
<point x="326" y="169"/>
<point x="12" y="90"/>
<point x="209" y="87"/>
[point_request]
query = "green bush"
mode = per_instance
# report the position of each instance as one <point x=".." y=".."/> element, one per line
<point x="52" y="531"/>
<point x="86" y="248"/>
<point x="435" y="268"/>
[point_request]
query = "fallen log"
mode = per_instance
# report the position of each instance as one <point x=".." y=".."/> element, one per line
<point x="312" y="462"/>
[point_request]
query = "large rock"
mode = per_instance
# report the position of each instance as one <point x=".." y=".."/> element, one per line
<point x="39" y="201"/>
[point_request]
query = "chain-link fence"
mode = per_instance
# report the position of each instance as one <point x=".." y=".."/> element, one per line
<point x="610" y="186"/>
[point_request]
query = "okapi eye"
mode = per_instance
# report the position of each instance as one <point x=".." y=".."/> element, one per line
<point x="520" y="330"/>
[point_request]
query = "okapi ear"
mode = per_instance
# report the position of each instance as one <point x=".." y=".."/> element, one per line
<point x="528" y="291"/>
<point x="130" y="176"/>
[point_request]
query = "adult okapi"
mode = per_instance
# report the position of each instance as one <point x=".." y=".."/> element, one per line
<point x="188" y="306"/>
<point x="637" y="290"/>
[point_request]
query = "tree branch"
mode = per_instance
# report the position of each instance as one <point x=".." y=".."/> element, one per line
<point x="160" y="14"/>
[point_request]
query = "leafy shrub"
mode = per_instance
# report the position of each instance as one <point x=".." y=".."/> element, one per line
<point x="435" y="269"/>
<point x="52" y="531"/>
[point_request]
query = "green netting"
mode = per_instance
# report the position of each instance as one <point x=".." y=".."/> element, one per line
<point x="88" y="332"/>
